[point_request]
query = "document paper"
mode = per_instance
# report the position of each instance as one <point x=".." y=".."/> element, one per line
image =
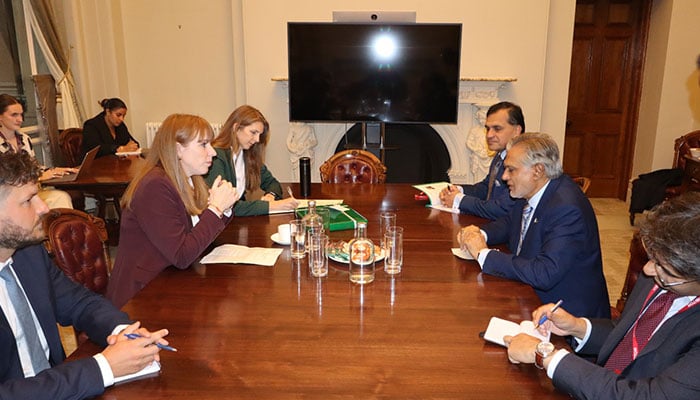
<point x="501" y="327"/>
<point x="235" y="254"/>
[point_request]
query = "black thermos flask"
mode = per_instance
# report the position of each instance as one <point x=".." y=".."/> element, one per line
<point x="305" y="176"/>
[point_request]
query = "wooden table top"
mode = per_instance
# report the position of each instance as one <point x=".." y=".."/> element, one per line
<point x="106" y="172"/>
<point x="275" y="332"/>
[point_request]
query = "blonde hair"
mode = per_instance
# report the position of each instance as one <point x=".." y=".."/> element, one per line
<point x="177" y="128"/>
<point x="254" y="158"/>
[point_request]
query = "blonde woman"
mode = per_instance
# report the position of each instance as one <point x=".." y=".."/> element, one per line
<point x="240" y="151"/>
<point x="169" y="214"/>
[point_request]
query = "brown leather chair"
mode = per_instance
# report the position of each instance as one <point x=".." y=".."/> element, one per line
<point x="76" y="241"/>
<point x="584" y="182"/>
<point x="353" y="166"/>
<point x="71" y="143"/>
<point x="638" y="258"/>
<point x="681" y="148"/>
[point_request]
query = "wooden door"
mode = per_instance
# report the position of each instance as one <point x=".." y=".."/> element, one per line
<point x="604" y="90"/>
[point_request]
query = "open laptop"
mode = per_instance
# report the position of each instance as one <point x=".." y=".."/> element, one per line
<point x="84" y="167"/>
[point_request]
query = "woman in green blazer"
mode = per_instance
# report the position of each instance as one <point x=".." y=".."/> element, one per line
<point x="240" y="149"/>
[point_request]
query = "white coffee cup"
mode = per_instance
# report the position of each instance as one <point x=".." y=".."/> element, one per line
<point x="283" y="232"/>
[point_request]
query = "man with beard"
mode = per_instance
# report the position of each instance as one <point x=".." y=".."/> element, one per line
<point x="35" y="295"/>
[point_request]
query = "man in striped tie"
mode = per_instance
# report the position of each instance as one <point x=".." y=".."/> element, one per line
<point x="35" y="295"/>
<point x="489" y="198"/>
<point x="653" y="350"/>
<point x="551" y="232"/>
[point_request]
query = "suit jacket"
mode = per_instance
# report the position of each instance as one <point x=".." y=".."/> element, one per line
<point x="474" y="202"/>
<point x="667" y="368"/>
<point x="96" y="132"/>
<point x="55" y="299"/>
<point x="222" y="165"/>
<point x="156" y="232"/>
<point x="560" y="255"/>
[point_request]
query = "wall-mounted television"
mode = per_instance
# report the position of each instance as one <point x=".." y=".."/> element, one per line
<point x="399" y="73"/>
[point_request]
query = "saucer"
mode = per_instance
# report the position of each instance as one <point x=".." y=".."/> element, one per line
<point x="276" y="238"/>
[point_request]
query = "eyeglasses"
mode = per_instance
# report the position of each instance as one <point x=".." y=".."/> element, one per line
<point x="663" y="283"/>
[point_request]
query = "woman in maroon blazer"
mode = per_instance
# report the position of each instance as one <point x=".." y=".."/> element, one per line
<point x="169" y="213"/>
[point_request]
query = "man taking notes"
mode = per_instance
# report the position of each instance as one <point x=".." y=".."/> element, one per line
<point x="35" y="295"/>
<point x="489" y="198"/>
<point x="551" y="232"/>
<point x="653" y="350"/>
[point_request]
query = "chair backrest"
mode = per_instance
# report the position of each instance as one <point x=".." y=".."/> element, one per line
<point x="353" y="166"/>
<point x="71" y="142"/>
<point x="76" y="240"/>
<point x="681" y="147"/>
<point x="638" y="258"/>
<point x="584" y="182"/>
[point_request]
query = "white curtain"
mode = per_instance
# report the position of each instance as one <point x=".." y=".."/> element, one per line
<point x="69" y="110"/>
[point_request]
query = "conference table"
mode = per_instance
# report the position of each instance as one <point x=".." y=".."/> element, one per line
<point x="247" y="331"/>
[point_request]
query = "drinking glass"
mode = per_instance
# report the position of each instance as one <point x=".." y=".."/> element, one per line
<point x="325" y="214"/>
<point x="386" y="219"/>
<point x="393" y="253"/>
<point x="318" y="256"/>
<point x="297" y="232"/>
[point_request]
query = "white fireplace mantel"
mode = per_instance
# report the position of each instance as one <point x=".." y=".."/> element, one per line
<point x="476" y="94"/>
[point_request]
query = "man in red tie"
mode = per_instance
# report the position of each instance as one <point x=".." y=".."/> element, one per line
<point x="653" y="350"/>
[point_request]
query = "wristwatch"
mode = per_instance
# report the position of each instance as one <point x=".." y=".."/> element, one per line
<point x="543" y="350"/>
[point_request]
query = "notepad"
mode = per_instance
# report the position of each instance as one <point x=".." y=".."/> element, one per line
<point x="499" y="327"/>
<point x="149" y="370"/>
<point x="237" y="254"/>
<point x="432" y="190"/>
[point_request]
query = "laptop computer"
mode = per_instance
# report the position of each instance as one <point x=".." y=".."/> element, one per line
<point x="84" y="167"/>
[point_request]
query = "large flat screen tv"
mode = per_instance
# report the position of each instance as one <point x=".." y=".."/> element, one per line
<point x="400" y="73"/>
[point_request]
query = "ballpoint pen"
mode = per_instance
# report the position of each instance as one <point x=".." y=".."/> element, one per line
<point x="544" y="317"/>
<point x="160" y="346"/>
<point x="289" y="190"/>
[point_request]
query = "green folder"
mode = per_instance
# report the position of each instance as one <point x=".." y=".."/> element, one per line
<point x="342" y="217"/>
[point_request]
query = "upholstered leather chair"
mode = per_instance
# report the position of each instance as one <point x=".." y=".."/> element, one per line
<point x="76" y="241"/>
<point x="353" y="166"/>
<point x="638" y="258"/>
<point x="584" y="182"/>
<point x="681" y="148"/>
<point x="71" y="141"/>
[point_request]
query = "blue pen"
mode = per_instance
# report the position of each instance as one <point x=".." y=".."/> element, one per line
<point x="544" y="317"/>
<point x="160" y="346"/>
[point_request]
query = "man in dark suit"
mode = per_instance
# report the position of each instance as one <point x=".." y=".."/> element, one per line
<point x="35" y="295"/>
<point x="489" y="198"/>
<point x="551" y="232"/>
<point x="653" y="350"/>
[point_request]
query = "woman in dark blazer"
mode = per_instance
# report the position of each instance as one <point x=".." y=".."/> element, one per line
<point x="169" y="214"/>
<point x="240" y="149"/>
<point x="108" y="130"/>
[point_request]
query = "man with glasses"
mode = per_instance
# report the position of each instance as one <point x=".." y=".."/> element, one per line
<point x="653" y="350"/>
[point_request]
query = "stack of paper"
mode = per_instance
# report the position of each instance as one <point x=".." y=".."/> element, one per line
<point x="235" y="254"/>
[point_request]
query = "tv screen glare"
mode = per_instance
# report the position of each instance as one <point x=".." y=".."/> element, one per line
<point x="398" y="73"/>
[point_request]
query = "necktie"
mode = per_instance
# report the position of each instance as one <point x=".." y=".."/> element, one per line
<point x="492" y="175"/>
<point x="527" y="213"/>
<point x="26" y="322"/>
<point x="622" y="356"/>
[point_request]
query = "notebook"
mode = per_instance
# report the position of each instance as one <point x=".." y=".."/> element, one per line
<point x="84" y="167"/>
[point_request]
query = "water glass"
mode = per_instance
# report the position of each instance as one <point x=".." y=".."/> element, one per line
<point x="297" y="232"/>
<point x="318" y="256"/>
<point x="393" y="252"/>
<point x="312" y="228"/>
<point x="325" y="214"/>
<point x="386" y="219"/>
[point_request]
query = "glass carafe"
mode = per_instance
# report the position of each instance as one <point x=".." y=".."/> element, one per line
<point x="313" y="223"/>
<point x="361" y="252"/>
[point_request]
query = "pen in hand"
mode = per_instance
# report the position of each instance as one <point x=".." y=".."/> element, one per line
<point x="289" y="190"/>
<point x="543" y="318"/>
<point x="160" y="346"/>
